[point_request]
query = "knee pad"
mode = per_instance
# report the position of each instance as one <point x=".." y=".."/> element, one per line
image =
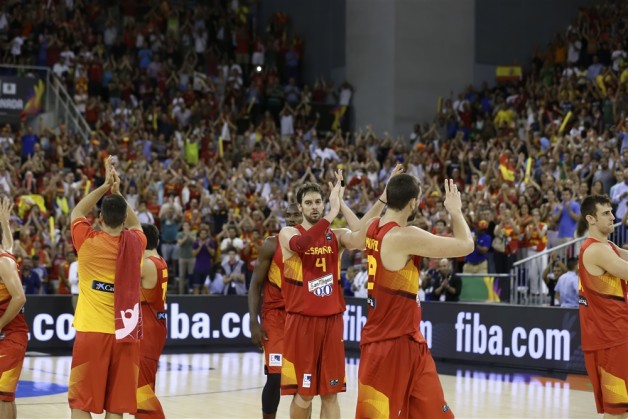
<point x="301" y="402"/>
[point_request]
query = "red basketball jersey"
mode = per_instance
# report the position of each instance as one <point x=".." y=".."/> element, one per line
<point x="272" y="298"/>
<point x="154" y="311"/>
<point x="603" y="306"/>
<point x="18" y="324"/>
<point x="311" y="283"/>
<point x="393" y="308"/>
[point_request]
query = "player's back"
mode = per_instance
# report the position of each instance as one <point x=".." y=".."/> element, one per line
<point x="154" y="311"/>
<point x="392" y="295"/>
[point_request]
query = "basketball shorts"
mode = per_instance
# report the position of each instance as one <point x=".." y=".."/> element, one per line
<point x="608" y="372"/>
<point x="148" y="405"/>
<point x="314" y="356"/>
<point x="104" y="374"/>
<point x="12" y="351"/>
<point x="397" y="378"/>
<point x="273" y="322"/>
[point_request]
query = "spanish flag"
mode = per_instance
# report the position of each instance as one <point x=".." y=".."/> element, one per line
<point x="508" y="73"/>
<point x="507" y="174"/>
<point x="506" y="170"/>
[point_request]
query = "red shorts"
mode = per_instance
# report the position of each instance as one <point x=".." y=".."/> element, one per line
<point x="104" y="374"/>
<point x="314" y="356"/>
<point x="608" y="372"/>
<point x="148" y="405"/>
<point x="12" y="351"/>
<point x="397" y="378"/>
<point x="273" y="322"/>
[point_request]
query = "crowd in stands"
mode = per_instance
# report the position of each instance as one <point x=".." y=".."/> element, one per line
<point x="214" y="129"/>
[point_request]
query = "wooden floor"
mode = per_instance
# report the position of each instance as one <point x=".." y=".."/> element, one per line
<point x="229" y="385"/>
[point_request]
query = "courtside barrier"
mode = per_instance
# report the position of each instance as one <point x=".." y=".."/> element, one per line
<point x="497" y="334"/>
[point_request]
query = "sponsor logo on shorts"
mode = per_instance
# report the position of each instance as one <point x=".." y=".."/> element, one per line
<point x="102" y="286"/>
<point x="307" y="380"/>
<point x="333" y="383"/>
<point x="162" y="315"/>
<point x="445" y="408"/>
<point x="274" y="360"/>
<point x="583" y="301"/>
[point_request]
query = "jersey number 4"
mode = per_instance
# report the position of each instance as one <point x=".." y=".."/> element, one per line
<point x="321" y="263"/>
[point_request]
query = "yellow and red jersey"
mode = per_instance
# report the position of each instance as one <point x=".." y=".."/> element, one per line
<point x="311" y="284"/>
<point x="392" y="295"/>
<point x="18" y="324"/>
<point x="603" y="306"/>
<point x="154" y="312"/>
<point x="97" y="255"/>
<point x="273" y="300"/>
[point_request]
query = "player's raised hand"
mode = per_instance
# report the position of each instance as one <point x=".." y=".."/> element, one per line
<point x="109" y="171"/>
<point x="6" y="206"/>
<point x="397" y="170"/>
<point x="115" y="187"/>
<point x="334" y="195"/>
<point x="453" y="202"/>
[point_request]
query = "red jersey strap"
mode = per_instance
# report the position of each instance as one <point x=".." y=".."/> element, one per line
<point x="590" y="240"/>
<point x="9" y="255"/>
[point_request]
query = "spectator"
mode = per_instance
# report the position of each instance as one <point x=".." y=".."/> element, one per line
<point x="232" y="241"/>
<point x="234" y="278"/>
<point x="203" y="250"/>
<point x="566" y="289"/>
<point x="477" y="261"/>
<point x="30" y="278"/>
<point x="536" y="233"/>
<point x="347" y="281"/>
<point x="359" y="285"/>
<point x="169" y="226"/>
<point x="442" y="284"/>
<point x="187" y="261"/>
<point x="554" y="269"/>
<point x="566" y="214"/>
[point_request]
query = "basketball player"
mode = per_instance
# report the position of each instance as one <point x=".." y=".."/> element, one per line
<point x="267" y="279"/>
<point x="105" y="364"/>
<point x="154" y="286"/>
<point x="397" y="375"/>
<point x="13" y="327"/>
<point x="603" y="272"/>
<point x="313" y="358"/>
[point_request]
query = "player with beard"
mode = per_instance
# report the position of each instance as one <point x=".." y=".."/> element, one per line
<point x="313" y="354"/>
<point x="266" y="281"/>
<point x="603" y="273"/>
<point x="397" y="375"/>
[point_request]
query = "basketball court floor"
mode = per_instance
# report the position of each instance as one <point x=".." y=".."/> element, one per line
<point x="229" y="385"/>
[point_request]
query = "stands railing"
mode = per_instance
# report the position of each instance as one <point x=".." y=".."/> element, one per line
<point x="526" y="277"/>
<point x="57" y="100"/>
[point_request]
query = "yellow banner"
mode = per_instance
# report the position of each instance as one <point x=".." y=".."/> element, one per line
<point x="508" y="72"/>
